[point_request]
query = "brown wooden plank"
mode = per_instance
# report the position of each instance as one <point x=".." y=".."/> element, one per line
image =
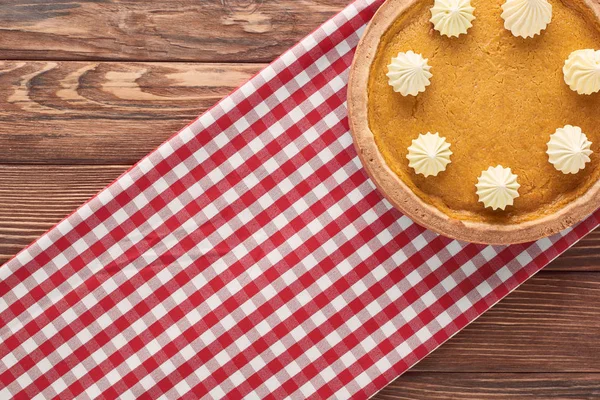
<point x="168" y="30"/>
<point x="99" y="113"/>
<point x="35" y="197"/>
<point x="550" y="324"/>
<point x="584" y="256"/>
<point x="436" y="386"/>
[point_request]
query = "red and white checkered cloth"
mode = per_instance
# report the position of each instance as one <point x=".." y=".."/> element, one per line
<point x="249" y="256"/>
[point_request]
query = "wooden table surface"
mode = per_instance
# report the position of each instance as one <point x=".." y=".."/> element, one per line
<point x="88" y="87"/>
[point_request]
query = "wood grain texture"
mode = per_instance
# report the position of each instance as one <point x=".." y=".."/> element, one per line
<point x="167" y="30"/>
<point x="35" y="197"/>
<point x="585" y="255"/>
<point x="99" y="113"/>
<point x="86" y="121"/>
<point x="550" y="324"/>
<point x="427" y="386"/>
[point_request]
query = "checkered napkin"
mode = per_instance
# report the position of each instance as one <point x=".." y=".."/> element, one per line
<point x="249" y="256"/>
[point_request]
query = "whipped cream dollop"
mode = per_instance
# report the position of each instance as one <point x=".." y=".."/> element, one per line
<point x="582" y="71"/>
<point x="526" y="18"/>
<point x="569" y="149"/>
<point x="409" y="73"/>
<point x="452" y="17"/>
<point x="429" y="154"/>
<point x="497" y="187"/>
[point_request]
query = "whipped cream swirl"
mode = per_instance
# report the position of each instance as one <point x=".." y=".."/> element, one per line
<point x="409" y="73"/>
<point x="497" y="187"/>
<point x="582" y="71"/>
<point x="452" y="17"/>
<point x="569" y="149"/>
<point x="526" y="18"/>
<point x="429" y="154"/>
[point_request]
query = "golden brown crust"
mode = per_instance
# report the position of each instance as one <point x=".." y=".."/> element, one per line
<point x="402" y="197"/>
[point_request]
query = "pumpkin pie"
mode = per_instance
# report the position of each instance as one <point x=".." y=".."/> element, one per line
<point x="492" y="95"/>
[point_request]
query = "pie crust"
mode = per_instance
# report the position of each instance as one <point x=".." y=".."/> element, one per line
<point x="401" y="195"/>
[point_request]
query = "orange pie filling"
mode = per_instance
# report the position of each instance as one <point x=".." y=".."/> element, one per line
<point x="497" y="99"/>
